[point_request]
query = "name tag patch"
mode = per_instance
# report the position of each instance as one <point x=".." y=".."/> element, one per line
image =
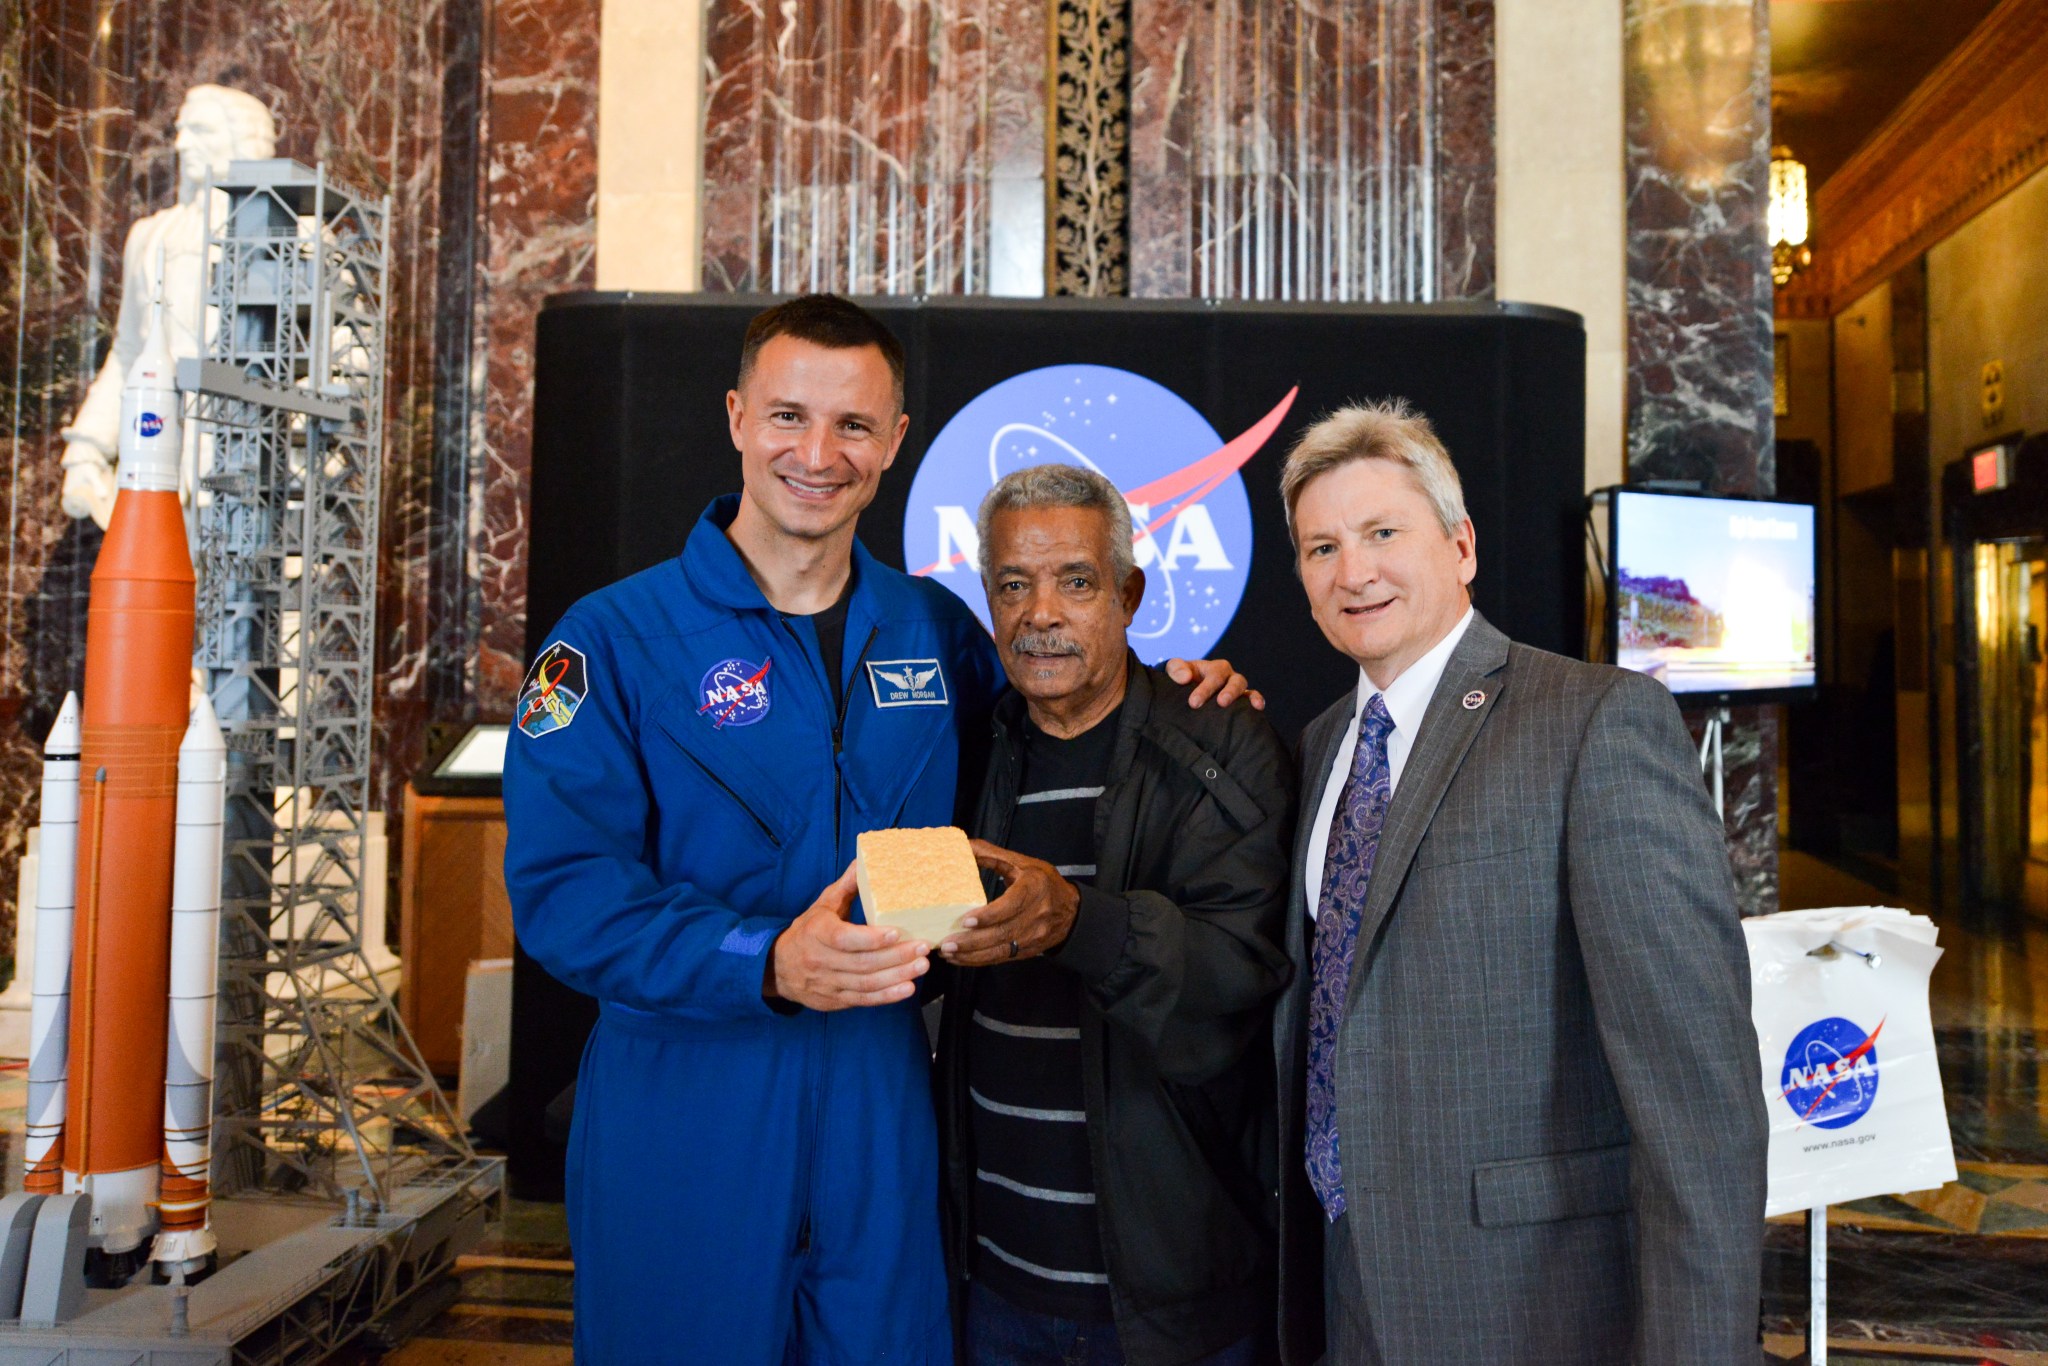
<point x="553" y="690"/>
<point x="734" y="693"/>
<point x="907" y="683"/>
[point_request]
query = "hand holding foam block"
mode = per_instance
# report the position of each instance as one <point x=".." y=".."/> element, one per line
<point x="920" y="881"/>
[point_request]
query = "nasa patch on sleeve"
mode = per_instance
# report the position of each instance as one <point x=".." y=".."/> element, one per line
<point x="554" y="689"/>
<point x="907" y="682"/>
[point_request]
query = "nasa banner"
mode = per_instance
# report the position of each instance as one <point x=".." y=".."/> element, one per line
<point x="1850" y="1077"/>
<point x="1189" y="512"/>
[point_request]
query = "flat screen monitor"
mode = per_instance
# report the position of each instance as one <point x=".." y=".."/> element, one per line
<point x="471" y="764"/>
<point x="479" y="754"/>
<point x="1713" y="597"/>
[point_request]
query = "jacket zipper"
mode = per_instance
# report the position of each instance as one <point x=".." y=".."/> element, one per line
<point x="839" y="733"/>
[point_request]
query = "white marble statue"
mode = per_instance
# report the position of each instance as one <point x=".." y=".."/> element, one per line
<point x="216" y="125"/>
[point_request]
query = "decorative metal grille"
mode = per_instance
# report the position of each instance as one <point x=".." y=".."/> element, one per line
<point x="1088" y="249"/>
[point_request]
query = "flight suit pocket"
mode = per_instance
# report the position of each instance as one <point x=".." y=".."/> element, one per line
<point x="734" y="777"/>
<point x="1542" y="1190"/>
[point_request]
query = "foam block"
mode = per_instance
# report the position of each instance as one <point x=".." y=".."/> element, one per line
<point x="921" y="881"/>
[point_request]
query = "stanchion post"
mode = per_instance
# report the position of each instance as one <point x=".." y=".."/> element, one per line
<point x="1817" y="1285"/>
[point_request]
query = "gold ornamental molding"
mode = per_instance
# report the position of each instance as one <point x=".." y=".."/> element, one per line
<point x="1973" y="130"/>
<point x="1087" y="185"/>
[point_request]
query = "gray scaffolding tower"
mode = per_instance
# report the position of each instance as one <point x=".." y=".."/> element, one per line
<point x="319" y="1088"/>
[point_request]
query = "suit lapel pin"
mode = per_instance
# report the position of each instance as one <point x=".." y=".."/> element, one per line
<point x="1474" y="699"/>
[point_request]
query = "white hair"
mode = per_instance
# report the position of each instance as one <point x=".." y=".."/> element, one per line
<point x="1376" y="431"/>
<point x="1060" y="486"/>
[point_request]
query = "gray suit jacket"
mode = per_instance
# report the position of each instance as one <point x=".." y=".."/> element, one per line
<point x="1552" y="1130"/>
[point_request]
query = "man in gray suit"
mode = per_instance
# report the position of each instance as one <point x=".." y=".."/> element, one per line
<point x="1520" y="1113"/>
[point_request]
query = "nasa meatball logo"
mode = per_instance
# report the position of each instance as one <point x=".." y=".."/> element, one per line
<point x="149" y="424"/>
<point x="1192" y="520"/>
<point x="555" y="687"/>
<point x="734" y="693"/>
<point x="1830" y="1075"/>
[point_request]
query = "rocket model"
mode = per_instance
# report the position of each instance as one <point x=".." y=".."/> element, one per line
<point x="50" y="989"/>
<point x="186" y="1237"/>
<point x="122" y="1073"/>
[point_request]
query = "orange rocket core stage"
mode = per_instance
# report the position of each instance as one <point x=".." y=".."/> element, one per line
<point x="138" y="662"/>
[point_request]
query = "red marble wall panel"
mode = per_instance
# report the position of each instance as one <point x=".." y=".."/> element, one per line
<point x="539" y="211"/>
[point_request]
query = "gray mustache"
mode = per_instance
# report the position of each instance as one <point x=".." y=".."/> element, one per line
<point x="1031" y="643"/>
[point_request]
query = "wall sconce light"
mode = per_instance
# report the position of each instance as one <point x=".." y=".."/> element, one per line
<point x="1786" y="217"/>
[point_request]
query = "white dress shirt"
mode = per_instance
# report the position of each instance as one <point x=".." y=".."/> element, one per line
<point x="1407" y="703"/>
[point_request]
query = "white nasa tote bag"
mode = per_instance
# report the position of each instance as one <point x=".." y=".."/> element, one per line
<point x="1847" y="1048"/>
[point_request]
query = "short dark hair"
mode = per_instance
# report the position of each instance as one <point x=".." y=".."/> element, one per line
<point x="823" y="320"/>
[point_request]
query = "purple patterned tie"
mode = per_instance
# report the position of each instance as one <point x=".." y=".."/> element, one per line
<point x="1347" y="869"/>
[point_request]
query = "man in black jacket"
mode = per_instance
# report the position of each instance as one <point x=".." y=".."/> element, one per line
<point x="1104" y="1056"/>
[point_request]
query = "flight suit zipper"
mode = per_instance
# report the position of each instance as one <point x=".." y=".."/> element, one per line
<point x="839" y="732"/>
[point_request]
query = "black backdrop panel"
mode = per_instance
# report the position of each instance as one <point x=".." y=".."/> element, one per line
<point x="630" y="443"/>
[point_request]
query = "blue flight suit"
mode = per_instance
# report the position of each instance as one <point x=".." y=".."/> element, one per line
<point x="746" y="1183"/>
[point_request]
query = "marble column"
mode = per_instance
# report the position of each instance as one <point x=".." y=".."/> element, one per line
<point x="1288" y="150"/>
<point x="875" y="146"/>
<point x="1699" y="310"/>
<point x="539" y="207"/>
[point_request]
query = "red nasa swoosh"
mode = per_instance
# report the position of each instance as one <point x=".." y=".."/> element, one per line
<point x="1196" y="481"/>
<point x="1842" y="1069"/>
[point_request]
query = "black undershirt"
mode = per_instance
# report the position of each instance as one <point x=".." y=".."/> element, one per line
<point x="830" y="626"/>
<point x="1037" y="1240"/>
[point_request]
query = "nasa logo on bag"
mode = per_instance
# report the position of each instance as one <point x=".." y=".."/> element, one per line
<point x="149" y="424"/>
<point x="1830" y="1075"/>
<point x="907" y="682"/>
<point x="1189" y="511"/>
<point x="734" y="693"/>
<point x="555" y="687"/>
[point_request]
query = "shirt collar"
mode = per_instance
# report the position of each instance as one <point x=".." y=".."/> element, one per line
<point x="715" y="569"/>
<point x="1408" y="697"/>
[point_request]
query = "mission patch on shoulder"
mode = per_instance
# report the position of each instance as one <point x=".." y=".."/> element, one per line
<point x="553" y="690"/>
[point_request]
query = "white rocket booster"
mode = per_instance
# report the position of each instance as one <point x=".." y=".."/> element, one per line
<point x="184" y="1204"/>
<point x="50" y="990"/>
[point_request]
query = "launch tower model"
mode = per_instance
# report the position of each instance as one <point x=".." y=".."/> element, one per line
<point x="319" y="1085"/>
<point x="251" y="840"/>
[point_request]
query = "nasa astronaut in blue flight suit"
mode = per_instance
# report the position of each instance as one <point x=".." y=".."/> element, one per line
<point x="753" y="1172"/>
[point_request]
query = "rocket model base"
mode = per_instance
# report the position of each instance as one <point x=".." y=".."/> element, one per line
<point x="307" y="1266"/>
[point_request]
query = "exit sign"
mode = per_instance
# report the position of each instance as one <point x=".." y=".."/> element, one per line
<point x="1990" y="469"/>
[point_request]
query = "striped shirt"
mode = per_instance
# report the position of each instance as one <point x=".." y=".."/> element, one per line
<point x="1037" y="1243"/>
